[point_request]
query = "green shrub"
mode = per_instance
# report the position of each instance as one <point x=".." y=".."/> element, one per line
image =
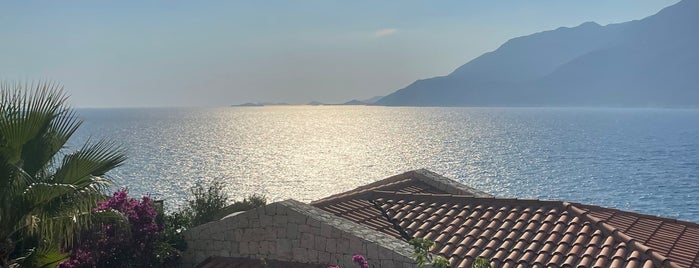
<point x="168" y="252"/>
<point x="440" y="262"/>
<point x="246" y="204"/>
<point x="421" y="252"/>
<point x="481" y="262"/>
<point x="210" y="204"/>
<point x="206" y="203"/>
<point x="173" y="225"/>
<point x="422" y="255"/>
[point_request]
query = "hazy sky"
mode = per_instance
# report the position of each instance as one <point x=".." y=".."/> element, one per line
<point x="213" y="53"/>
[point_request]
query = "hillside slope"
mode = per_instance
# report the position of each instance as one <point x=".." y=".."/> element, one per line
<point x="648" y="62"/>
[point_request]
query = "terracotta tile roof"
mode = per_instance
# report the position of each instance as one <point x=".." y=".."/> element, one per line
<point x="356" y="205"/>
<point x="362" y="211"/>
<point x="518" y="232"/>
<point x="416" y="181"/>
<point x="231" y="262"/>
<point x="675" y="239"/>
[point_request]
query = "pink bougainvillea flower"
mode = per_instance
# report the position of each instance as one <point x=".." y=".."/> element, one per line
<point x="359" y="259"/>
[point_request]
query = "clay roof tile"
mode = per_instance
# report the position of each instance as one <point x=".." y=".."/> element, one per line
<point x="570" y="260"/>
<point x="442" y="239"/>
<point x="492" y="244"/>
<point x="446" y="250"/>
<point x="487" y="253"/>
<point x="548" y="247"/>
<point x="606" y="251"/>
<point x="577" y="250"/>
<point x="460" y="250"/>
<point x="568" y="238"/>
<point x="648" y="264"/>
<point x="600" y="262"/>
<point x="473" y="251"/>
<point x="528" y="257"/>
<point x="513" y="256"/>
<point x="541" y="258"/>
<point x="617" y="262"/>
<point x="557" y="258"/>
<point x="586" y="261"/>
<point x="500" y="235"/>
<point x="500" y="254"/>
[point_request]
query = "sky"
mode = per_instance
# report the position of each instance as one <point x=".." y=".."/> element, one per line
<point x="218" y="53"/>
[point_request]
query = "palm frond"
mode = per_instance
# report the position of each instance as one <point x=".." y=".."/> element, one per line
<point x="50" y="259"/>
<point x="47" y="254"/>
<point x="66" y="216"/>
<point x="29" y="140"/>
<point x="90" y="162"/>
<point x="44" y="197"/>
<point x="30" y="110"/>
<point x="41" y="194"/>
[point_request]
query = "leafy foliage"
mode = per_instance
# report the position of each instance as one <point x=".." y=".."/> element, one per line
<point x="481" y="262"/>
<point x="421" y="250"/>
<point x="207" y="203"/>
<point x="246" y="204"/>
<point x="422" y="255"/>
<point x="211" y="203"/>
<point x="46" y="193"/>
<point x="174" y="224"/>
<point x="440" y="262"/>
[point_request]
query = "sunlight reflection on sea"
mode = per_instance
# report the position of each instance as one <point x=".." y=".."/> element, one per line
<point x="645" y="160"/>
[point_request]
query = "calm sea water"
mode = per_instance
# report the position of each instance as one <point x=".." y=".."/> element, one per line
<point x="644" y="160"/>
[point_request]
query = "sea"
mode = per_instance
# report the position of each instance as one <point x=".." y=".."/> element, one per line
<point x="643" y="160"/>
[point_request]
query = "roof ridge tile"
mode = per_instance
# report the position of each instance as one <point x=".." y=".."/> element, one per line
<point x="636" y="214"/>
<point x="461" y="198"/>
<point x="657" y="258"/>
<point x="445" y="184"/>
<point x="425" y="176"/>
<point x="357" y="192"/>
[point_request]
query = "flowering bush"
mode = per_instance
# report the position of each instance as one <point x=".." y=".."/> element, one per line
<point x="139" y="236"/>
<point x="358" y="259"/>
<point x="126" y="242"/>
<point x="79" y="258"/>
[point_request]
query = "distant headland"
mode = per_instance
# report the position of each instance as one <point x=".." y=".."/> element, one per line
<point x="369" y="101"/>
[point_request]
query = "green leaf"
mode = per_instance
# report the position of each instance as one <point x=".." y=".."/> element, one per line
<point x="481" y="262"/>
<point x="46" y="194"/>
<point x="49" y="257"/>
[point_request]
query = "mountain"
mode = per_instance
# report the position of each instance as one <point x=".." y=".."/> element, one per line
<point x="372" y="99"/>
<point x="248" y="104"/>
<point x="259" y="104"/>
<point x="648" y="62"/>
<point x="354" y="102"/>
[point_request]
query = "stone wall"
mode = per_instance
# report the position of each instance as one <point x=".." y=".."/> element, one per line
<point x="294" y="231"/>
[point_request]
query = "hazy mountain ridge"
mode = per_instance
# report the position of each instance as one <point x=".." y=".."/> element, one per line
<point x="648" y="62"/>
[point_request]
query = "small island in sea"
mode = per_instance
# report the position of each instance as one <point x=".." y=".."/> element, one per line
<point x="260" y="104"/>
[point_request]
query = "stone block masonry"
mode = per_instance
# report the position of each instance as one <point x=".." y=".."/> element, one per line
<point x="293" y="231"/>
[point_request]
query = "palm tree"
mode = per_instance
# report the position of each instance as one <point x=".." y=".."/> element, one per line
<point x="46" y="193"/>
